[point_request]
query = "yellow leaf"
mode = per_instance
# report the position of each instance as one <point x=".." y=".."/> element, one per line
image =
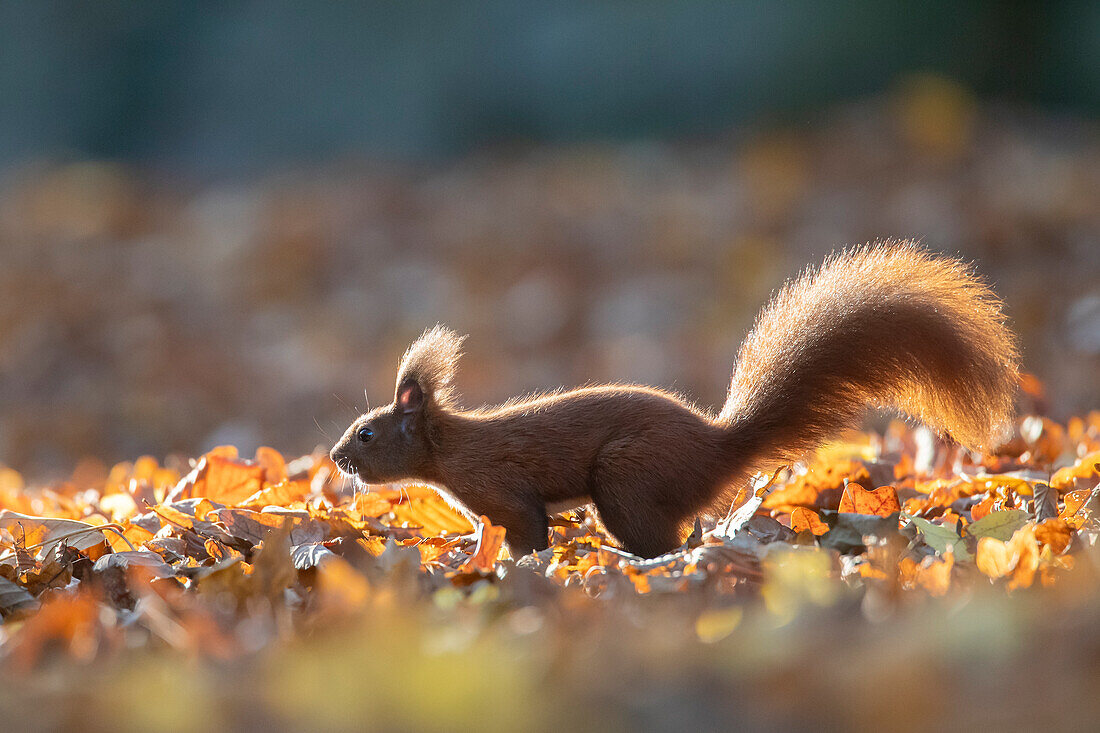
<point x="994" y="558"/>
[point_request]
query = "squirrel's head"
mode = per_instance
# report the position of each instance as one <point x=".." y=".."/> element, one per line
<point x="396" y="441"/>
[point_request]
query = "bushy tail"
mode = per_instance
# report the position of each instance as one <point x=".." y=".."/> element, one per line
<point x="885" y="325"/>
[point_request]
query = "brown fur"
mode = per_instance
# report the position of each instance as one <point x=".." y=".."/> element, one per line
<point x="887" y="325"/>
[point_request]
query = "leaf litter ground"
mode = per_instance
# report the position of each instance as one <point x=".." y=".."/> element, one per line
<point x="894" y="580"/>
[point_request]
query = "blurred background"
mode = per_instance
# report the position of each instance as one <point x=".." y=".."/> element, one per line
<point x="220" y="222"/>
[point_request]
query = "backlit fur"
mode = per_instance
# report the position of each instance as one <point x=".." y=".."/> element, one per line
<point x="886" y="325"/>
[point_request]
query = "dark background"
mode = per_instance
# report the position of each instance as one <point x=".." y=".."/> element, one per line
<point x="219" y="222"/>
<point x="234" y="88"/>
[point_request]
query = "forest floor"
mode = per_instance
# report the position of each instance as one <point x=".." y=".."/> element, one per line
<point x="894" y="582"/>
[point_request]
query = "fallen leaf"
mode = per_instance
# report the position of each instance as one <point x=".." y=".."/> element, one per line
<point x="803" y="519"/>
<point x="944" y="540"/>
<point x="15" y="601"/>
<point x="490" y="540"/>
<point x="140" y="558"/>
<point x="994" y="558"/>
<point x="283" y="493"/>
<point x="67" y="621"/>
<point x="1026" y="548"/>
<point x="310" y="555"/>
<point x="1046" y="502"/>
<point x="982" y="508"/>
<point x="851" y="532"/>
<point x="881" y="502"/>
<point x="1000" y="525"/>
<point x="933" y="573"/>
<point x="43" y="534"/>
<point x="273" y="464"/>
<point x="221" y="478"/>
<point x="1075" y="501"/>
<point x="371" y="504"/>
<point x="1083" y="474"/>
<point x="252" y="526"/>
<point x="1055" y="534"/>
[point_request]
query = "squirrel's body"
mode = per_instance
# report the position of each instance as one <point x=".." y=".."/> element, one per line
<point x="600" y="442"/>
<point x="889" y="325"/>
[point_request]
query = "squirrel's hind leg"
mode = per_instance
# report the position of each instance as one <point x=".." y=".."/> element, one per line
<point x="638" y="530"/>
<point x="627" y="501"/>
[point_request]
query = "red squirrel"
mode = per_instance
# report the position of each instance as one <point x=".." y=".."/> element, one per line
<point x="885" y="325"/>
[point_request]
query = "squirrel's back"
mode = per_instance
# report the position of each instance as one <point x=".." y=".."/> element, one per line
<point x="889" y="325"/>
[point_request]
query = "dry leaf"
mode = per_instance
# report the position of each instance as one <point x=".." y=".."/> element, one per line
<point x="994" y="558"/>
<point x="43" y="534"/>
<point x="803" y="519"/>
<point x="881" y="502"/>
<point x="490" y="540"/>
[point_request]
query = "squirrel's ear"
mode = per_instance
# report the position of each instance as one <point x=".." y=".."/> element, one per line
<point x="430" y="363"/>
<point x="410" y="397"/>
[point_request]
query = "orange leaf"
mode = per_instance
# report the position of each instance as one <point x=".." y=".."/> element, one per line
<point x="372" y="504"/>
<point x="936" y="578"/>
<point x="174" y="516"/>
<point x="273" y="464"/>
<point x="282" y="494"/>
<point x="433" y="547"/>
<point x="1074" y="501"/>
<point x="1081" y="475"/>
<point x="12" y="495"/>
<point x="442" y="516"/>
<point x="1027" y="548"/>
<point x="867" y="570"/>
<point x="807" y="519"/>
<point x="373" y="544"/>
<point x="1076" y="511"/>
<point x="223" y="451"/>
<point x="431" y="515"/>
<point x="881" y="502"/>
<point x="49" y="532"/>
<point x="228" y="480"/>
<point x="137" y="536"/>
<point x="982" y="508"/>
<point x="933" y="573"/>
<point x="489" y="541"/>
<point x="145" y="468"/>
<point x="819" y="488"/>
<point x="1055" y="534"/>
<point x="1000" y="484"/>
<point x="1018" y="558"/>
<point x="216" y="549"/>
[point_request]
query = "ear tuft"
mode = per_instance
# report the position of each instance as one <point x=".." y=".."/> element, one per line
<point x="410" y="397"/>
<point x="430" y="364"/>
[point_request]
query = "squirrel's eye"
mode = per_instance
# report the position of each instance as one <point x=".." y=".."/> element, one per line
<point x="365" y="434"/>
